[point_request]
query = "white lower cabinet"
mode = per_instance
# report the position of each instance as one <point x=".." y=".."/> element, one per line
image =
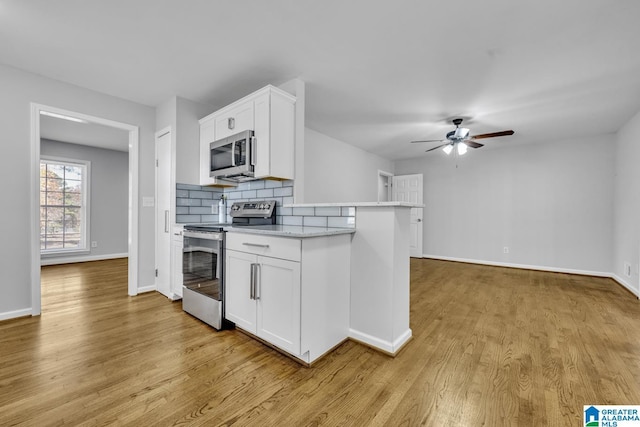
<point x="299" y="305"/>
<point x="271" y="310"/>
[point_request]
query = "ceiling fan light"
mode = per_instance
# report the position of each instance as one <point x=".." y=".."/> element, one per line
<point x="462" y="148"/>
<point x="447" y="149"/>
<point x="461" y="133"/>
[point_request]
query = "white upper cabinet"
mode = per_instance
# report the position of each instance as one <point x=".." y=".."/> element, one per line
<point x="270" y="113"/>
<point x="234" y="120"/>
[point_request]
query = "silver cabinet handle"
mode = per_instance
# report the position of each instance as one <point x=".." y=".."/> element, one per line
<point x="257" y="245"/>
<point x="166" y="221"/>
<point x="252" y="282"/>
<point x="256" y="283"/>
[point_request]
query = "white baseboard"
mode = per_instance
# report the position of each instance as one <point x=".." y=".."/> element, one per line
<point x="16" y="313"/>
<point x="383" y="345"/>
<point x="143" y="289"/>
<point x="85" y="258"/>
<point x="523" y="266"/>
<point x="541" y="268"/>
<point x="626" y="285"/>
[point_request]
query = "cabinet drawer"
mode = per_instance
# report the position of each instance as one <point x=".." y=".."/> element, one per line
<point x="276" y="247"/>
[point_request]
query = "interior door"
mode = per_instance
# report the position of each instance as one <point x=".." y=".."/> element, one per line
<point x="409" y="188"/>
<point x="163" y="214"/>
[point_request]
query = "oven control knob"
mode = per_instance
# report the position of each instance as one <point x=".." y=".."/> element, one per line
<point x="235" y="207"/>
<point x="267" y="205"/>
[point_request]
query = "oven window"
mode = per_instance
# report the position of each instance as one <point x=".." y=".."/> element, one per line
<point x="202" y="267"/>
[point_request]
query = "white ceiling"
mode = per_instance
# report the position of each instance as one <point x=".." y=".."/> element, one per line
<point x="91" y="134"/>
<point x="379" y="73"/>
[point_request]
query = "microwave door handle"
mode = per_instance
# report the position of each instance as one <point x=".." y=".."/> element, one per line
<point x="233" y="153"/>
<point x="253" y="150"/>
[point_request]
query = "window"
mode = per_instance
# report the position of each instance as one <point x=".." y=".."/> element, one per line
<point x="64" y="185"/>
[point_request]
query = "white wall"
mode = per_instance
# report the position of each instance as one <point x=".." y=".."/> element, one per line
<point x="19" y="89"/>
<point x="108" y="196"/>
<point x="627" y="204"/>
<point x="338" y="172"/>
<point x="550" y="203"/>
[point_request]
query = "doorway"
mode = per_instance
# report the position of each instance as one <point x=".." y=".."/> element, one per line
<point x="132" y="214"/>
<point x="409" y="188"/>
<point x="385" y="180"/>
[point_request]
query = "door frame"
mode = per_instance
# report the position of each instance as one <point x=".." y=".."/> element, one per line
<point x="159" y="134"/>
<point x="387" y="177"/>
<point x="419" y="211"/>
<point x="134" y="137"/>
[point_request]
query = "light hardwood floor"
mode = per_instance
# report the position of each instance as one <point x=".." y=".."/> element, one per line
<point x="492" y="346"/>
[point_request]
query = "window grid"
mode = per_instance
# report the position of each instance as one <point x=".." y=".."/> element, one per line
<point x="62" y="207"/>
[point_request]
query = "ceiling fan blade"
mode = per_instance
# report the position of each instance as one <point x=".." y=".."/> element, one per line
<point x="435" y="148"/>
<point x="473" y="144"/>
<point x="427" y="140"/>
<point x="494" y="134"/>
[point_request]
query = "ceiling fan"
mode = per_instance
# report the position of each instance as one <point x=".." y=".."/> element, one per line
<point x="459" y="138"/>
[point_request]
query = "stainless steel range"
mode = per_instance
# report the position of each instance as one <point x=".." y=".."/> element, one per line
<point x="203" y="273"/>
<point x="203" y="260"/>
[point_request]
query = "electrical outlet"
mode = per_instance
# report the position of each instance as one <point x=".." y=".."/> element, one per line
<point x="94" y="244"/>
<point x="505" y="249"/>
<point x="627" y="269"/>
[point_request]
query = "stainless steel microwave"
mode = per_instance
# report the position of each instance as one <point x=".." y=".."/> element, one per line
<point x="233" y="157"/>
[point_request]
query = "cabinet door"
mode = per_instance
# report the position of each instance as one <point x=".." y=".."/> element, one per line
<point x="239" y="307"/>
<point x="278" y="308"/>
<point x="235" y="120"/>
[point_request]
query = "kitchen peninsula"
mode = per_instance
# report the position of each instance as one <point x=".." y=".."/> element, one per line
<point x="379" y="299"/>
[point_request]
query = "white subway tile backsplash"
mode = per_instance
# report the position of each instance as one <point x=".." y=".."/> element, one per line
<point x="283" y="192"/>
<point x="196" y="204"/>
<point x="314" y="221"/>
<point x="284" y="211"/>
<point x="348" y="211"/>
<point x="304" y="211"/>
<point x="341" y="221"/>
<point x="272" y="184"/>
<point x="266" y="194"/>
<point x="291" y="220"/>
<point x="196" y="210"/>
<point x="328" y="211"/>
<point x="188" y="202"/>
<point x="188" y="218"/>
<point x="256" y="185"/>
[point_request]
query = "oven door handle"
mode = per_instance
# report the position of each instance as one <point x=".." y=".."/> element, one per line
<point x="257" y="245"/>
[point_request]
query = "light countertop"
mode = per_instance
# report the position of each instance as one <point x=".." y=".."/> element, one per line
<point x="354" y="204"/>
<point x="290" y="230"/>
<point x="281" y="230"/>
